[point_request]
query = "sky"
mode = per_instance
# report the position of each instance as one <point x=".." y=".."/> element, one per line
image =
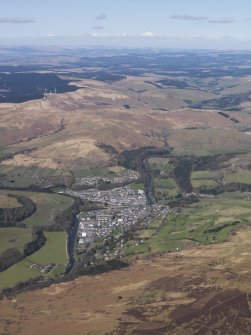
<point x="209" y="24"/>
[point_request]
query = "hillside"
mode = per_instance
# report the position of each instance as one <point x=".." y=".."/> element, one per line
<point x="192" y="291"/>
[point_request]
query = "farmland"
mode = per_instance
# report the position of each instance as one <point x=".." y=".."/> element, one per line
<point x="53" y="253"/>
<point x="14" y="238"/>
<point x="54" y="250"/>
<point x="48" y="206"/>
<point x="209" y="221"/>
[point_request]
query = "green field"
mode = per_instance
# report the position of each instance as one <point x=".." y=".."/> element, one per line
<point x="209" y="221"/>
<point x="22" y="176"/>
<point x="164" y="189"/>
<point x="16" y="273"/>
<point x="98" y="172"/>
<point x="48" y="206"/>
<point x="239" y="176"/>
<point x="212" y="179"/>
<point x="14" y="238"/>
<point x="8" y="202"/>
<point x="204" y="179"/>
<point x="54" y="251"/>
<point x="137" y="186"/>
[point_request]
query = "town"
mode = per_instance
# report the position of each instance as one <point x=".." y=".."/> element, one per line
<point x="126" y="177"/>
<point x="123" y="207"/>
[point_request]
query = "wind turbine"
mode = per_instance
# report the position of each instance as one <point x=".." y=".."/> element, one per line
<point x="45" y="93"/>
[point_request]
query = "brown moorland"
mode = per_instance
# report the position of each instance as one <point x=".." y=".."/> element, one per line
<point x="203" y="290"/>
<point x="63" y="130"/>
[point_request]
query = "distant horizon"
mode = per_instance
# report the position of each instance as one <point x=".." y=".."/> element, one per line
<point x="42" y="43"/>
<point x="132" y="23"/>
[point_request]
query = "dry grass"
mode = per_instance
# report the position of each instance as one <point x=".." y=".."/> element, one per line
<point x="95" y="304"/>
<point x="96" y="113"/>
<point x="7" y="202"/>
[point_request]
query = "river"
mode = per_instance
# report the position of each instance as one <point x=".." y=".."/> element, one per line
<point x="145" y="171"/>
<point x="71" y="239"/>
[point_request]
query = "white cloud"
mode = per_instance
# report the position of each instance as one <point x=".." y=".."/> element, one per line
<point x="97" y="27"/>
<point x="16" y="20"/>
<point x="106" y="35"/>
<point x="147" y="34"/>
<point x="222" y="20"/>
<point x="50" y="35"/>
<point x="189" y="17"/>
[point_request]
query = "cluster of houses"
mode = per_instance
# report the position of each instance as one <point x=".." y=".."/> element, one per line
<point x="128" y="176"/>
<point x="124" y="207"/>
<point x="42" y="268"/>
<point x="116" y="197"/>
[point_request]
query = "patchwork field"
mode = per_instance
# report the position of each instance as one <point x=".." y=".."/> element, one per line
<point x="209" y="221"/>
<point x="235" y="170"/>
<point x="54" y="251"/>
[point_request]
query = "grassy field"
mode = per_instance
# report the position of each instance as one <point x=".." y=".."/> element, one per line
<point x="239" y="176"/>
<point x="208" y="141"/>
<point x="8" y="202"/>
<point x="16" y="273"/>
<point x="25" y="176"/>
<point x="164" y="189"/>
<point x="212" y="179"/>
<point x="137" y="186"/>
<point x="48" y="206"/>
<point x="204" y="179"/>
<point x="14" y="238"/>
<point x="54" y="251"/>
<point x="209" y="221"/>
<point x="98" y="171"/>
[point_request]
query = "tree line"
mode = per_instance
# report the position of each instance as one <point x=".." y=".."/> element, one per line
<point x="10" y="217"/>
<point x="12" y="256"/>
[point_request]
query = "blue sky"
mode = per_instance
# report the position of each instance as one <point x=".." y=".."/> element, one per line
<point x="149" y="23"/>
